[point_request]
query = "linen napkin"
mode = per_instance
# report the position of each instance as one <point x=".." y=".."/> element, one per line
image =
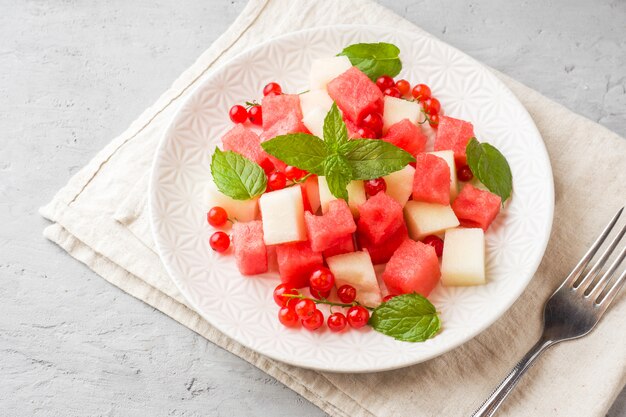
<point x="100" y="218"/>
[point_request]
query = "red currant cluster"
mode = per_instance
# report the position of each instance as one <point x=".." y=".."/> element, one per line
<point x="253" y="112"/>
<point x="219" y="241"/>
<point x="297" y="309"/>
<point x="420" y="92"/>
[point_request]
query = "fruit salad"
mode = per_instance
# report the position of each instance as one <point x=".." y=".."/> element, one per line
<point x="361" y="190"/>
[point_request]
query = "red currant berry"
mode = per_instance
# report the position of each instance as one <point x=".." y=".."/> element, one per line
<point x="322" y="280"/>
<point x="464" y="173"/>
<point x="366" y="133"/>
<point x="272" y="88"/>
<point x="217" y="217"/>
<point x="358" y="316"/>
<point x="304" y="308"/>
<point x="375" y="186"/>
<point x="276" y="181"/>
<point x="238" y="114"/>
<point x="279" y="293"/>
<point x="293" y="173"/>
<point x="421" y="92"/>
<point x="320" y="295"/>
<point x="219" y="242"/>
<point x="387" y="298"/>
<point x="403" y="87"/>
<point x="255" y="115"/>
<point x="436" y="243"/>
<point x="267" y="166"/>
<point x="393" y="92"/>
<point x="288" y="317"/>
<point x="384" y="82"/>
<point x="314" y="321"/>
<point x="373" y="122"/>
<point x="432" y="106"/>
<point x="336" y="322"/>
<point x="434" y="120"/>
<point x="346" y="293"/>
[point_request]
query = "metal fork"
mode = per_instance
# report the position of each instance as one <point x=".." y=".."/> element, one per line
<point x="571" y="312"/>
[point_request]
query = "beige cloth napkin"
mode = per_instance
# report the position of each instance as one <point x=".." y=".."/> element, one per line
<point x="100" y="218"/>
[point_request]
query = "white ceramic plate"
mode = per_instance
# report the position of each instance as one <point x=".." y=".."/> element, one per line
<point x="242" y="307"/>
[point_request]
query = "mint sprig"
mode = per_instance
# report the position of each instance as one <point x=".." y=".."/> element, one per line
<point x="490" y="167"/>
<point x="375" y="59"/>
<point x="408" y="317"/>
<point x="236" y="176"/>
<point x="338" y="158"/>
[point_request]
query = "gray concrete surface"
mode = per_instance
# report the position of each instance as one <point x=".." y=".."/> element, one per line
<point x="73" y="75"/>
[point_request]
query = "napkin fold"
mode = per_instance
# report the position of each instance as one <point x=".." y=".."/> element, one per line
<point x="101" y="218"/>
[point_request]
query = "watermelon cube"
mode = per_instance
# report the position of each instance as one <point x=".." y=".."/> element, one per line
<point x="355" y="94"/>
<point x="328" y="229"/>
<point x="249" y="248"/>
<point x="379" y="217"/>
<point x="475" y="207"/>
<point x="414" y="267"/>
<point x="382" y="252"/>
<point x="353" y="129"/>
<point x="406" y="135"/>
<point x="296" y="262"/>
<point x="245" y="142"/>
<point x="356" y="269"/>
<point x="431" y="183"/>
<point x="344" y="245"/>
<point x="277" y="109"/>
<point x="453" y="134"/>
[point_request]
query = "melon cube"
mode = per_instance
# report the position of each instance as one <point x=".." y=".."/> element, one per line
<point x="344" y="245"/>
<point x="463" y="260"/>
<point x="282" y="212"/>
<point x="245" y="142"/>
<point x="398" y="109"/>
<point x="296" y="262"/>
<point x="356" y="269"/>
<point x="400" y="184"/>
<point x="355" y="94"/>
<point x="414" y="267"/>
<point x="382" y="252"/>
<point x="406" y="135"/>
<point x="379" y="217"/>
<point x="324" y="70"/>
<point x="431" y="182"/>
<point x="453" y="134"/>
<point x="249" y="248"/>
<point x="314" y="122"/>
<point x="448" y="156"/>
<point x="315" y="99"/>
<point x="240" y="210"/>
<point x="356" y="195"/>
<point x="327" y="230"/>
<point x="475" y="207"/>
<point x="424" y="219"/>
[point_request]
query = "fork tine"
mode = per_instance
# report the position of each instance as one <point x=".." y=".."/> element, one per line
<point x="603" y="281"/>
<point x="582" y="264"/>
<point x="612" y="293"/>
<point x="595" y="270"/>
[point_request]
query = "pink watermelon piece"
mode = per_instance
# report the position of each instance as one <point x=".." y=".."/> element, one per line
<point x="250" y="251"/>
<point x="414" y="267"/>
<point x="382" y="252"/>
<point x="453" y="134"/>
<point x="353" y="129"/>
<point x="406" y="135"/>
<point x="296" y="262"/>
<point x="327" y="230"/>
<point x="475" y="207"/>
<point x="379" y="217"/>
<point x="343" y="245"/>
<point x="245" y="142"/>
<point x="431" y="182"/>
<point x="355" y="94"/>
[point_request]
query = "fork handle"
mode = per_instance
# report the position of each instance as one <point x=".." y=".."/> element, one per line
<point x="491" y="405"/>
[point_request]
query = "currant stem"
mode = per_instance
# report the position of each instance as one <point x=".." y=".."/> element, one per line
<point x="428" y="119"/>
<point x="325" y="301"/>
<point x="300" y="180"/>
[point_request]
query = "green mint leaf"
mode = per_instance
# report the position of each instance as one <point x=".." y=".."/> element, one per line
<point x="375" y="59"/>
<point x="490" y="167"/>
<point x="335" y="131"/>
<point x="300" y="150"/>
<point x="373" y="158"/>
<point x="408" y="317"/>
<point x="236" y="176"/>
<point x="337" y="175"/>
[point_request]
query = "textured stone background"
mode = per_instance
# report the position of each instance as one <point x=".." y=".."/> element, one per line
<point x="74" y="74"/>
